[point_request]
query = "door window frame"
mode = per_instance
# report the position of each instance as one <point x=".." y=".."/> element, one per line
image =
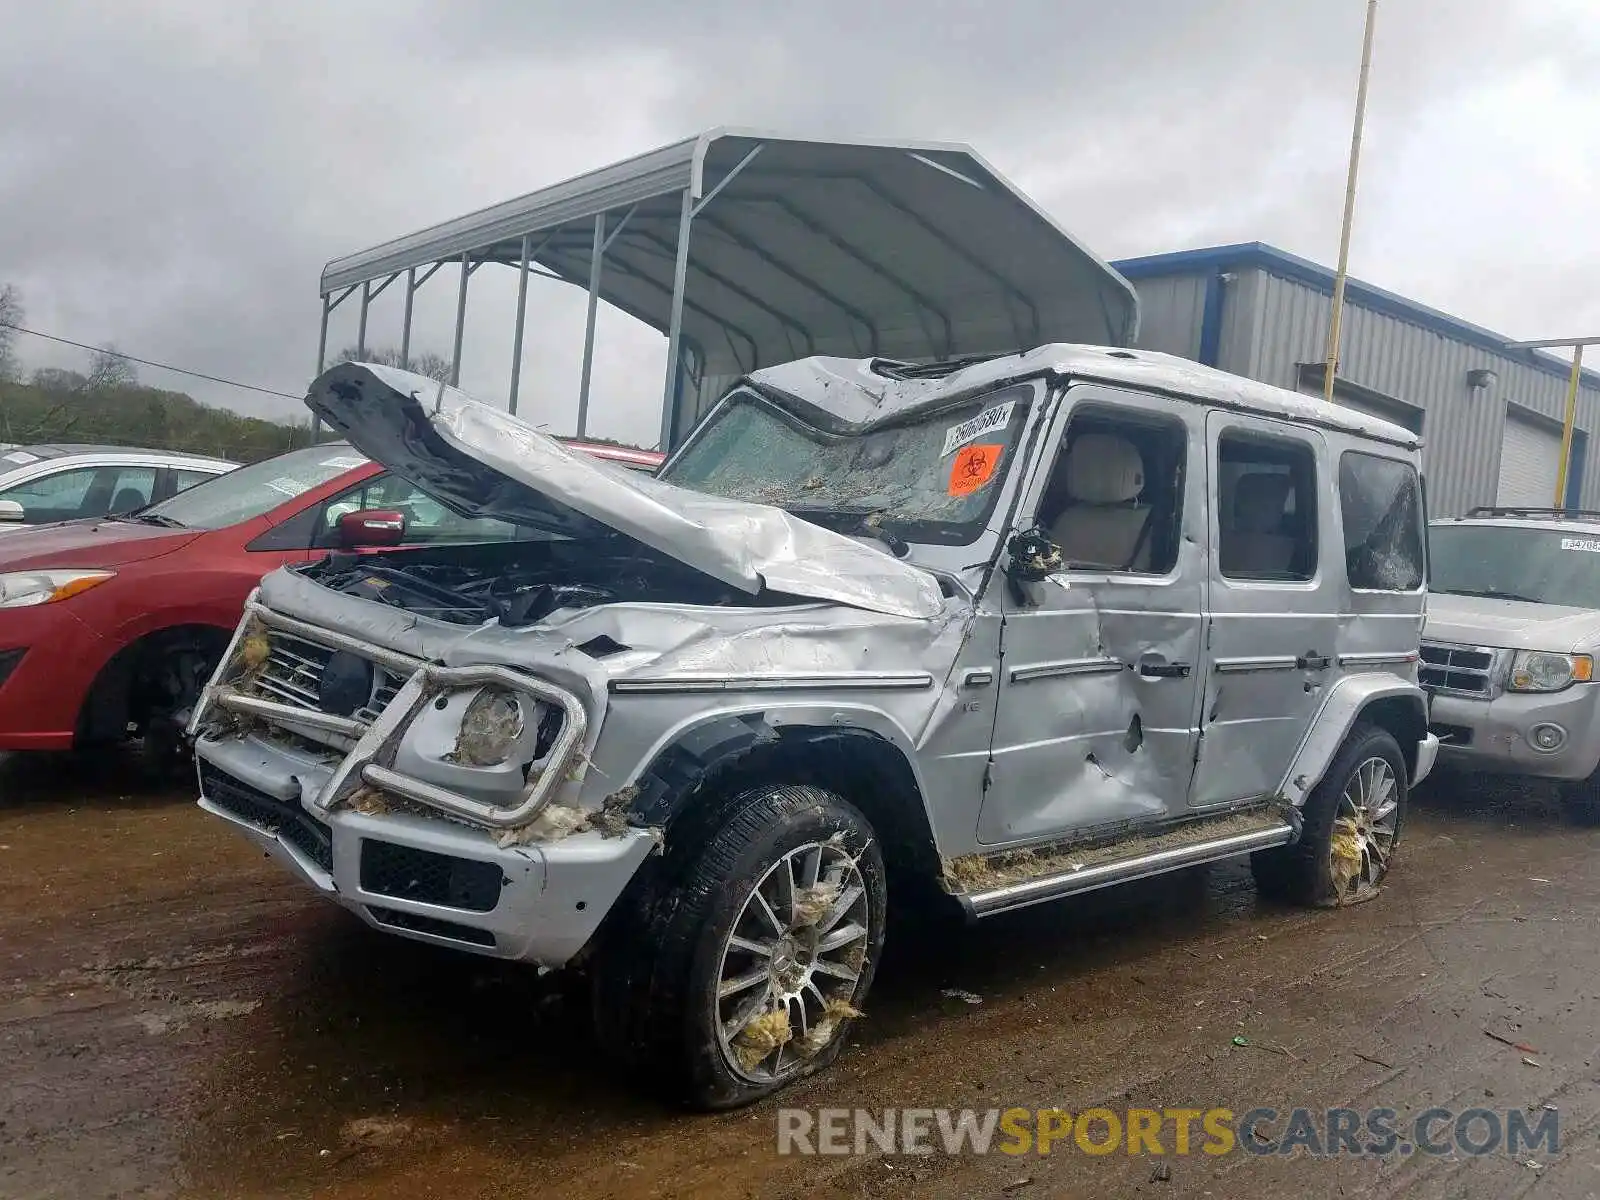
<point x="1109" y="399"/>
<point x="1267" y="429"/>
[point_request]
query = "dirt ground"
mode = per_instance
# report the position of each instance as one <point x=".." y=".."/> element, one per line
<point x="178" y="1018"/>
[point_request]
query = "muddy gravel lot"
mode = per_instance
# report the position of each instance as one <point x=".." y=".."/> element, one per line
<point x="178" y="1018"/>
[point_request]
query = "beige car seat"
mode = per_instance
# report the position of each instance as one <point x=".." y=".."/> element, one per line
<point x="1254" y="542"/>
<point x="1103" y="523"/>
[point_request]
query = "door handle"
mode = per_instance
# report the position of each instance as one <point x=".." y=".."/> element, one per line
<point x="1313" y="661"/>
<point x="1163" y="670"/>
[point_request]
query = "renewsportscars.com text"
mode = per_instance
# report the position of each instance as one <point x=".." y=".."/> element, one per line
<point x="1318" y="1133"/>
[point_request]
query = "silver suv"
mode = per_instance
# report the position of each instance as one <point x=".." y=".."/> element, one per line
<point x="1509" y="646"/>
<point x="979" y="634"/>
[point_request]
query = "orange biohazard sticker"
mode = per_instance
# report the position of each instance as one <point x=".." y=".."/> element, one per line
<point x="974" y="466"/>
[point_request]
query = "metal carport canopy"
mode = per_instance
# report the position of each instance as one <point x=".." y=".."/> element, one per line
<point x="749" y="248"/>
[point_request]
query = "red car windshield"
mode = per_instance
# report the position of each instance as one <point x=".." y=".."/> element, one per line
<point x="247" y="492"/>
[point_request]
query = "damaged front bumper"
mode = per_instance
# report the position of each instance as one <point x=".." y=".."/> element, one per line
<point x="373" y="805"/>
<point x="1551" y="735"/>
<point x="418" y="877"/>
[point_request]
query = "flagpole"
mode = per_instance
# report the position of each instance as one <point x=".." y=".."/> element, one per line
<point x="1336" y="318"/>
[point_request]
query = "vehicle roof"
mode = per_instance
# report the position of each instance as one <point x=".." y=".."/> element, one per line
<point x="869" y="394"/>
<point x="1576" y="522"/>
<point x="52" y="450"/>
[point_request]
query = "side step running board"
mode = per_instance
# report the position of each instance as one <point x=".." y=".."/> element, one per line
<point x="1070" y="882"/>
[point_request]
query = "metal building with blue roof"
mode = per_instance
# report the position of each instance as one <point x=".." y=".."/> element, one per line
<point x="1490" y="416"/>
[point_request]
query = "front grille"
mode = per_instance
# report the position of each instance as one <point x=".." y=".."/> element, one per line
<point x="1451" y="735"/>
<point x="283" y="818"/>
<point x="429" y="878"/>
<point x="292" y="674"/>
<point x="1451" y="668"/>
<point x="443" y="929"/>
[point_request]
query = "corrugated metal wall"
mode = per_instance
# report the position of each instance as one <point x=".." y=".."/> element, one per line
<point x="1271" y="325"/>
<point x="1171" y="311"/>
<point x="1463" y="429"/>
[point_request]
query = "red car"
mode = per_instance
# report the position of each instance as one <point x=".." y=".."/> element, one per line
<point x="110" y="628"/>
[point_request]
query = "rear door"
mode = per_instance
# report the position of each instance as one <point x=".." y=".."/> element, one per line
<point x="1276" y="578"/>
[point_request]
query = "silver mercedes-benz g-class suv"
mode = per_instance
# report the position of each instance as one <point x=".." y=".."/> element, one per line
<point x="1509" y="647"/>
<point x="980" y="634"/>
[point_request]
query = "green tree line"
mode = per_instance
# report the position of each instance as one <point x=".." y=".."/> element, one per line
<point x="61" y="406"/>
<point x="108" y="405"/>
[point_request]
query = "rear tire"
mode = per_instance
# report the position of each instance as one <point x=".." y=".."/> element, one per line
<point x="735" y="964"/>
<point x="1352" y="826"/>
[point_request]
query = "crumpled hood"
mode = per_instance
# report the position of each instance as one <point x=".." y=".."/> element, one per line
<point x="1510" y="624"/>
<point x="483" y="462"/>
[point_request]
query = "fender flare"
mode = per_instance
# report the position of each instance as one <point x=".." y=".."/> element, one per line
<point x="1346" y="702"/>
<point x="687" y="754"/>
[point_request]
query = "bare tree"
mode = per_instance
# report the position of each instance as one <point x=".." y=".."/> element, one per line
<point x="57" y="379"/>
<point x="108" y="369"/>
<point x="434" y="366"/>
<point x="11" y="315"/>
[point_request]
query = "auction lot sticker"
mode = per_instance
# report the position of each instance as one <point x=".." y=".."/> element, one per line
<point x="970" y="430"/>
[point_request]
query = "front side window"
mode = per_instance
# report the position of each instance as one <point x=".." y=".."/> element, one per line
<point x="64" y="492"/>
<point x="1114" y="501"/>
<point x="1380" y="504"/>
<point x="1266" y="508"/>
<point x="1510" y="562"/>
<point x="934" y="478"/>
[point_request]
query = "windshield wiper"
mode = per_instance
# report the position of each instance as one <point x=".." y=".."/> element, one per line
<point x="898" y="546"/>
<point x="150" y="518"/>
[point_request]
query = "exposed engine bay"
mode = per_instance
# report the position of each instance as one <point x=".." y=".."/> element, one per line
<point x="522" y="583"/>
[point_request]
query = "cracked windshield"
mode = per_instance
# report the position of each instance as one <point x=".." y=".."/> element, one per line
<point x="933" y="480"/>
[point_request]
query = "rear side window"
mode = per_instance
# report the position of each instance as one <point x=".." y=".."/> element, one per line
<point x="1380" y="503"/>
<point x="1266" y="508"/>
<point x="183" y="479"/>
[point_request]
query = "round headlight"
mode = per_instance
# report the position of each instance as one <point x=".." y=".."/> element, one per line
<point x="490" y="728"/>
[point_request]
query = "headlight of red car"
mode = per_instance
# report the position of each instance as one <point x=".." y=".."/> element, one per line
<point x="22" y="589"/>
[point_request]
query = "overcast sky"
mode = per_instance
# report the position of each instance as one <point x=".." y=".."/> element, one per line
<point x="174" y="173"/>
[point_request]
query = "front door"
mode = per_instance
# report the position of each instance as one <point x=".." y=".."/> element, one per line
<point x="1099" y="695"/>
<point x="1276" y="573"/>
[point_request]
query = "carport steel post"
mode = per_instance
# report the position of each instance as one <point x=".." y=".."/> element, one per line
<point x="602" y="242"/>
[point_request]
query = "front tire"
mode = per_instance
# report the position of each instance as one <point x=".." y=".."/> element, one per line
<point x="171" y="675"/>
<point x="1580" y="801"/>
<point x="736" y="965"/>
<point x="1352" y="824"/>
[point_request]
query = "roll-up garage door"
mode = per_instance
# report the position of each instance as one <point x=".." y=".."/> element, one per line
<point x="1529" y="458"/>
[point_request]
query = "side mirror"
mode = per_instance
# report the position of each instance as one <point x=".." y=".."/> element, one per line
<point x="1032" y="557"/>
<point x="371" y="527"/>
<point x="10" y="510"/>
